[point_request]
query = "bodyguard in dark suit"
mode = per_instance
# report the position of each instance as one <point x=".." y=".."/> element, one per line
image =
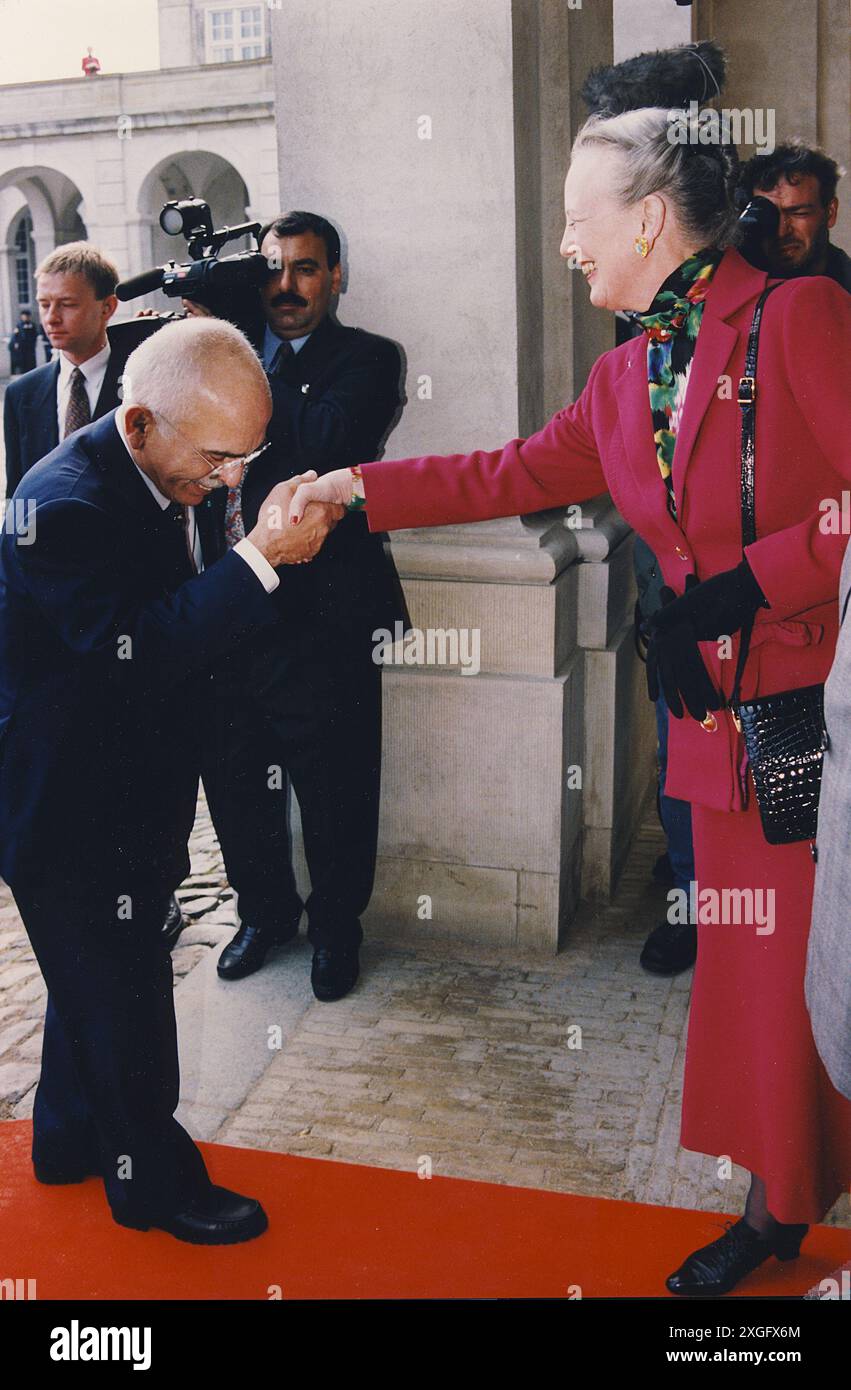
<point x="309" y="705"/>
<point x="75" y="290"/>
<point x="30" y="423"/>
<point x="22" y="344"/>
<point x="110" y="616"/>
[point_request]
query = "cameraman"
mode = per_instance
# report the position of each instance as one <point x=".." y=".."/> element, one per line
<point x="801" y="182"/>
<point x="304" y="705"/>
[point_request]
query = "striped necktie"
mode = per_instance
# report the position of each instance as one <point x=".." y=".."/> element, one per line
<point x="78" y="412"/>
<point x="234" y="523"/>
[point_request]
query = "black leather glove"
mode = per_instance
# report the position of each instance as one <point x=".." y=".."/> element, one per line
<point x="716" y="607"/>
<point x="675" y="666"/>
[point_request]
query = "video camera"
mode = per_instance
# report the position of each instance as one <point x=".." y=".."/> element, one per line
<point x="206" y="274"/>
<point x="758" y="223"/>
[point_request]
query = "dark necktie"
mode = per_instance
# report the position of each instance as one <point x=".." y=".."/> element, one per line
<point x="234" y="523"/>
<point x="182" y="551"/>
<point x="283" y="354"/>
<point x="78" y="413"/>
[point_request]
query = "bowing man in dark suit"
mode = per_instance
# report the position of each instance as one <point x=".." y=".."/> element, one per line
<point x="335" y="392"/>
<point x="109" y="621"/>
<point x="75" y="290"/>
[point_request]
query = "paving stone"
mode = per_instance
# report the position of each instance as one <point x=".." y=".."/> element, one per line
<point x="16" y="1078"/>
<point x="17" y="972"/>
<point x="193" y="907"/>
<point x="31" y="992"/>
<point x="12" y="1036"/>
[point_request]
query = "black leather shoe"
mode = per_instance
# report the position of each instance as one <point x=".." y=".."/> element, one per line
<point x="220" y="1217"/>
<point x="334" y="971"/>
<point x="670" y="949"/>
<point x="249" y="948"/>
<point x="174" y="922"/>
<point x="715" y="1269"/>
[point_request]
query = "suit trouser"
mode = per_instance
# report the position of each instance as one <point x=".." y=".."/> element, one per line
<point x="312" y="719"/>
<point x="109" y="1077"/>
<point x="674" y="814"/>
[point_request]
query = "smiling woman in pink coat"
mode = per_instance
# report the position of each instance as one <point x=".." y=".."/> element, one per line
<point x="658" y="425"/>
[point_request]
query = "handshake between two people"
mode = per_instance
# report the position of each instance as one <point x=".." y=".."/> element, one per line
<point x="277" y="539"/>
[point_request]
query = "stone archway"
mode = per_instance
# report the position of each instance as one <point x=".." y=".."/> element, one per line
<point x="52" y="205"/>
<point x="191" y="174"/>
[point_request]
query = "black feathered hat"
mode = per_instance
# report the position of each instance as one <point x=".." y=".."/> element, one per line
<point x="668" y="77"/>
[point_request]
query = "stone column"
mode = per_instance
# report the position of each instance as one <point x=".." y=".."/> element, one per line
<point x="792" y="59"/>
<point x="438" y="141"/>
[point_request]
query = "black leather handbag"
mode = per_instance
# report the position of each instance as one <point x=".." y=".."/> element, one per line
<point x="785" y="734"/>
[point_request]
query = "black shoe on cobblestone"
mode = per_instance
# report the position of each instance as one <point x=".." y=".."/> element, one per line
<point x="670" y="949"/>
<point x="249" y="948"/>
<point x="334" y="972"/>
<point x="174" y="922"/>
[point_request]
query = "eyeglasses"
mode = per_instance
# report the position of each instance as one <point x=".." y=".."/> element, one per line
<point x="231" y="472"/>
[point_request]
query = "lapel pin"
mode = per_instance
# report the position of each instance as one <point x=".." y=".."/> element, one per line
<point x="305" y="387"/>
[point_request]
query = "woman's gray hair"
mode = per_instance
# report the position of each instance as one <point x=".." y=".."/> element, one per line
<point x="177" y="363"/>
<point x="662" y="152"/>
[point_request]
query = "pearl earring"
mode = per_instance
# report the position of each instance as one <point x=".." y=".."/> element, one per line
<point x="642" y="246"/>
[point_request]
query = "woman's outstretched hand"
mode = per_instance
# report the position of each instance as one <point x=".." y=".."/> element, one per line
<point x="336" y="487"/>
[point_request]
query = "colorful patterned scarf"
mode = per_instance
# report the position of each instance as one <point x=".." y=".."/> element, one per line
<point x="671" y="324"/>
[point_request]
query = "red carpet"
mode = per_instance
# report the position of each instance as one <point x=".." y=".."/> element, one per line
<point x="340" y="1230"/>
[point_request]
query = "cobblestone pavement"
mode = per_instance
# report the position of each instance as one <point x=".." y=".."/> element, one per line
<point x="459" y="1056"/>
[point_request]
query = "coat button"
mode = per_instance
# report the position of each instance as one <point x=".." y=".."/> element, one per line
<point x="710" y="723"/>
<point x="682" y="553"/>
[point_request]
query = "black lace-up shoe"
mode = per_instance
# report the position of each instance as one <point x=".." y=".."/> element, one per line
<point x="670" y="949"/>
<point x="715" y="1269"/>
<point x="174" y="922"/>
<point x="334" y="971"/>
<point x="219" y="1217"/>
<point x="249" y="948"/>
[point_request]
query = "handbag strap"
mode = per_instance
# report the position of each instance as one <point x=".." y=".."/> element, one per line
<point x="747" y="404"/>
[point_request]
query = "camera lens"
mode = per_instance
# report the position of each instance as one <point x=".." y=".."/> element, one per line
<point x="171" y="220"/>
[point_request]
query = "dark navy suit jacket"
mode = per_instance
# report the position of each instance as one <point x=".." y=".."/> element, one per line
<point x="333" y="404"/>
<point x="30" y="424"/>
<point x="105" y="649"/>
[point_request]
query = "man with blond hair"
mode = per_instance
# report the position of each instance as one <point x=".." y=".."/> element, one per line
<point x="75" y="293"/>
<point x="111" y="615"/>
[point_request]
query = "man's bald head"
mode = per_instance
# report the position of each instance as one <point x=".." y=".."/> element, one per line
<point x="194" y="393"/>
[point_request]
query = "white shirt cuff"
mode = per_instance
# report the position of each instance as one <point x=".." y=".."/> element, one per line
<point x="260" y="565"/>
